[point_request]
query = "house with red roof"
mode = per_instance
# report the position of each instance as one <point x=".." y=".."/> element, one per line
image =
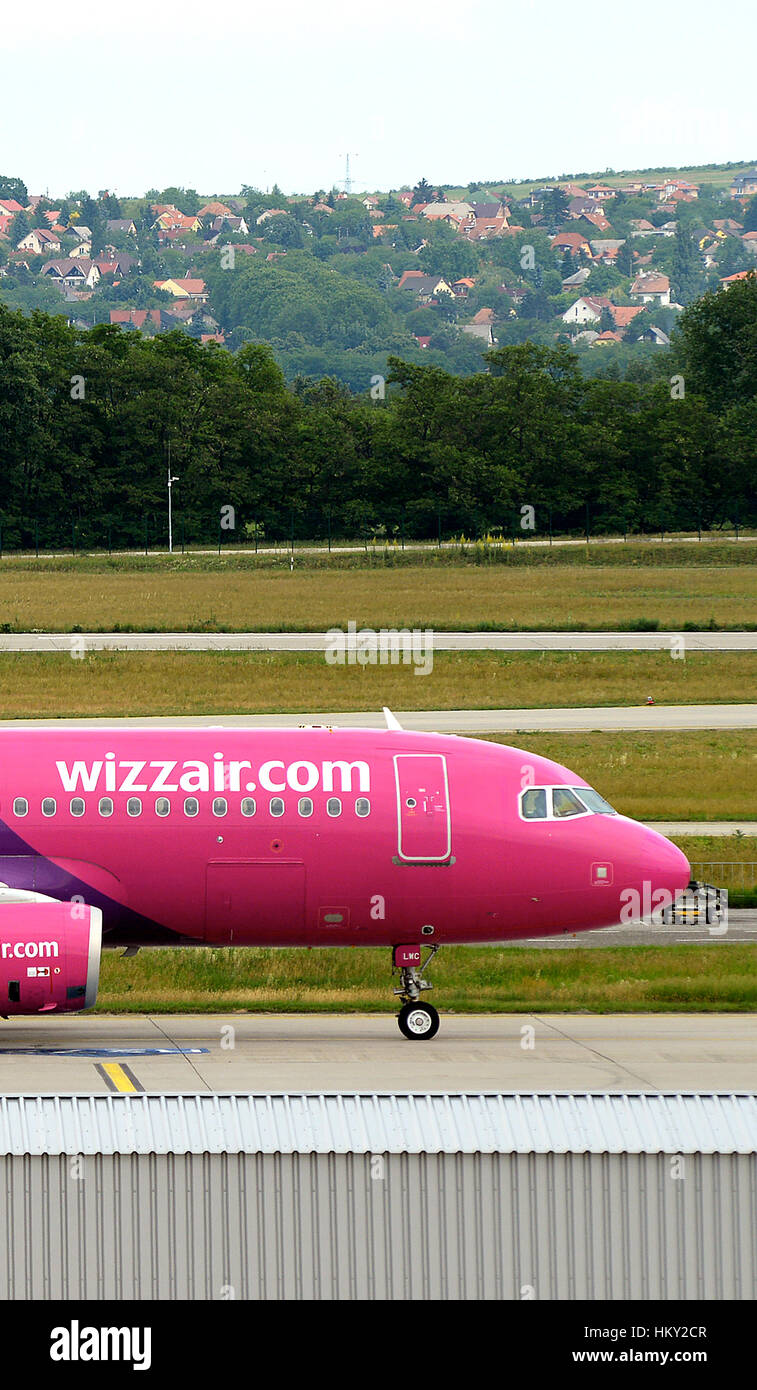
<point x="137" y="318"/>
<point x="183" y="288"/>
<point x="575" y="242"/>
<point x="39" y="241"/>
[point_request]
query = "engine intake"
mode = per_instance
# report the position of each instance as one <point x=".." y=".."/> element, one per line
<point x="49" y="954"/>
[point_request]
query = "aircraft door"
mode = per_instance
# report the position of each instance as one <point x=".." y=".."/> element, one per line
<point x="423" y="811"/>
<point x="249" y="901"/>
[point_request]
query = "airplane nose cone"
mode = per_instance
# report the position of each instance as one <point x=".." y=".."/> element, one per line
<point x="668" y="865"/>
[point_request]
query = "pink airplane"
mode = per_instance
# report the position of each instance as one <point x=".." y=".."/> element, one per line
<point x="298" y="837"/>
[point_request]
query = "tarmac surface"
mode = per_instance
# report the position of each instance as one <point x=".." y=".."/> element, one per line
<point x="325" y="1052"/>
<point x="602" y="718"/>
<point x="317" y="641"/>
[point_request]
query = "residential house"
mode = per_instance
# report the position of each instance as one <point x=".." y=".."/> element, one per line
<point x="740" y="275"/>
<point x="655" y="335"/>
<point x="426" y="287"/>
<point x="461" y="288"/>
<point x="176" y="222"/>
<point x="483" y="331"/>
<point x="483" y="228"/>
<point x="743" y="186"/>
<point x="642" y="227"/>
<point x="268" y="214"/>
<point x="229" y="223"/>
<point x="582" y="206"/>
<point x="588" y="309"/>
<point x="575" y="242"/>
<point x="515" y="293"/>
<point x="623" y="314"/>
<point x="216" y="209"/>
<point x="606" y="251"/>
<point x="82" y="248"/>
<point x="601" y="192"/>
<point x="184" y="288"/>
<point x="598" y="220"/>
<point x="122" y="226"/>
<point x="39" y="242"/>
<point x="10" y="207"/>
<point x="749" y="242"/>
<point x="577" y="280"/>
<point x="72" y="273"/>
<point x="651" y="288"/>
<point x="452" y="212"/>
<point x="603" y="339"/>
<point x="137" y="318"/>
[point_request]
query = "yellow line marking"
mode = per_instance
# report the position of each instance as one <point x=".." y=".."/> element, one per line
<point x="118" y="1076"/>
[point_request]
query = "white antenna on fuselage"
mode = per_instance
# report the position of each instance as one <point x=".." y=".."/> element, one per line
<point x="392" y="722"/>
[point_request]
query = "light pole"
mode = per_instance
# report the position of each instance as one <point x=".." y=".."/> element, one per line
<point x="171" y="481"/>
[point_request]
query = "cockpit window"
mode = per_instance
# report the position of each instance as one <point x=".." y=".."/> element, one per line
<point x="566" y="803"/>
<point x="534" y="803"/>
<point x="594" y="801"/>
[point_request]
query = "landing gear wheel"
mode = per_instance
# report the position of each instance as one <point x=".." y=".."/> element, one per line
<point x="418" y="1020"/>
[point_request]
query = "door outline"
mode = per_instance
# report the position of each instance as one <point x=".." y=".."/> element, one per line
<point x="423" y="858"/>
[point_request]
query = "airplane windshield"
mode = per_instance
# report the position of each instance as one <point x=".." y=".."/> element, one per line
<point x="566" y="803"/>
<point x="594" y="801"/>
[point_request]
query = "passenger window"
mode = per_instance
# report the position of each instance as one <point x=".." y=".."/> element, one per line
<point x="191" y="806"/>
<point x="220" y="806"/>
<point x="305" y="806"/>
<point x="48" y="806"/>
<point x="134" y="806"/>
<point x="21" y="806"/>
<point x="363" y="806"/>
<point x="566" y="803"/>
<point x="162" y="806"/>
<point x="534" y="803"/>
<point x="248" y="806"/>
<point x="333" y="806"/>
<point x="105" y="806"/>
<point x="276" y="806"/>
<point x="76" y="806"/>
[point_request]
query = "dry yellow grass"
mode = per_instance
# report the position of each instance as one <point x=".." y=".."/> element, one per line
<point x="157" y="683"/>
<point x="700" y="775"/>
<point x="460" y="596"/>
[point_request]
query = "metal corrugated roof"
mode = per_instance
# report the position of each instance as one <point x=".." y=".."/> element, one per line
<point x="352" y="1122"/>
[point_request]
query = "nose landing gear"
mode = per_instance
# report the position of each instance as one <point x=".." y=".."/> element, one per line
<point x="416" y="1020"/>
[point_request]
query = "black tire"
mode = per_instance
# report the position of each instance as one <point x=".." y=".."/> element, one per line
<point x="418" y="1021"/>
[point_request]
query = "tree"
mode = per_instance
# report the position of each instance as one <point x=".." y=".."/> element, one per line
<point x="555" y="206"/>
<point x="13" y="188"/>
<point x="422" y="191"/>
<point x="21" y="227"/>
<point x="717" y="344"/>
<point x="687" y="271"/>
<point x="750" y="216"/>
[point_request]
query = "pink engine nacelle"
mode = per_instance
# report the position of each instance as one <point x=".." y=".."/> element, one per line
<point x="49" y="956"/>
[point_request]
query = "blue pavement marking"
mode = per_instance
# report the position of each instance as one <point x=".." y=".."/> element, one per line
<point x="100" y="1051"/>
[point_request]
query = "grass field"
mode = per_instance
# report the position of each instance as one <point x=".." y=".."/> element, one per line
<point x="54" y="685"/>
<point x="696" y="775"/>
<point x="235" y="594"/>
<point x="710" y="978"/>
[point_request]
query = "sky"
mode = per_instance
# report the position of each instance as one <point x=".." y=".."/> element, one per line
<point x="216" y="96"/>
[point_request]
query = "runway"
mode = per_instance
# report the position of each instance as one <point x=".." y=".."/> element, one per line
<point x="317" y="641"/>
<point x="602" y="718"/>
<point x="317" y="1052"/>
